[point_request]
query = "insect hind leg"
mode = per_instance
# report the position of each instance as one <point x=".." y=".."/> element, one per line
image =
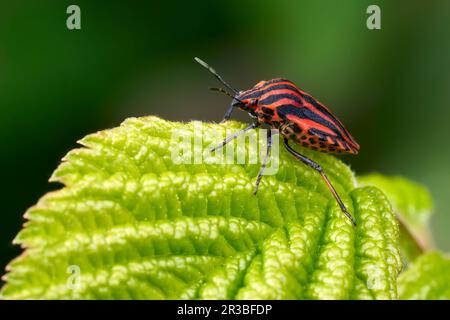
<point x="319" y="169"/>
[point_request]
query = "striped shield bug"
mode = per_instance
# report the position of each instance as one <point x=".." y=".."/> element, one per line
<point x="296" y="115"/>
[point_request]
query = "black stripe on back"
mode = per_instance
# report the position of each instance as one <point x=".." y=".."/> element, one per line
<point x="276" y="81"/>
<point x="305" y="113"/>
<point x="319" y="133"/>
<point x="321" y="108"/>
<point x="275" y="97"/>
<point x="258" y="93"/>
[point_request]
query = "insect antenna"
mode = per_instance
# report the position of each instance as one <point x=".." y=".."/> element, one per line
<point x="204" y="64"/>
<point x="226" y="93"/>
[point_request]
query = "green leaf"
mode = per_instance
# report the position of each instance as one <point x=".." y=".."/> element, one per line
<point x="427" y="278"/>
<point x="410" y="199"/>
<point x="131" y="223"/>
<point x="413" y="206"/>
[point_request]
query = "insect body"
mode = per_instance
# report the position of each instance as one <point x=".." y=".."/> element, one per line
<point x="297" y="116"/>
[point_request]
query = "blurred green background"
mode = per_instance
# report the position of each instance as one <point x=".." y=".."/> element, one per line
<point x="132" y="58"/>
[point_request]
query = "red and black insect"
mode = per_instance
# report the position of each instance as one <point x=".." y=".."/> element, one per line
<point x="296" y="115"/>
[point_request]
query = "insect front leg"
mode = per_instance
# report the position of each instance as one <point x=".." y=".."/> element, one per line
<point x="266" y="158"/>
<point x="318" y="168"/>
<point x="228" y="139"/>
<point x="227" y="115"/>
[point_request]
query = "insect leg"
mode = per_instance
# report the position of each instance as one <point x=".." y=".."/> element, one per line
<point x="228" y="139"/>
<point x="318" y="168"/>
<point x="227" y="115"/>
<point x="264" y="164"/>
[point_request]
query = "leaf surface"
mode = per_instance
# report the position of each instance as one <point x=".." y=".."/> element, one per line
<point x="427" y="278"/>
<point x="130" y="223"/>
<point x="413" y="206"/>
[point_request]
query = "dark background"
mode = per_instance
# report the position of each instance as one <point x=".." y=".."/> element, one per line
<point x="132" y="58"/>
